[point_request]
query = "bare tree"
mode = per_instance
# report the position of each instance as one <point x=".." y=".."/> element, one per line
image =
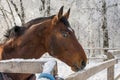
<point x="48" y="8"/>
<point x="22" y="14"/>
<point x="4" y="15"/>
<point x="45" y="7"/>
<point x="11" y="12"/>
<point x="104" y="28"/>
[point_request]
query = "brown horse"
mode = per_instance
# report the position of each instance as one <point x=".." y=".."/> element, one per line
<point x="54" y="36"/>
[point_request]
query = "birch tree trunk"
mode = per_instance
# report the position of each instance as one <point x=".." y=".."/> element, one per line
<point x="104" y="28"/>
<point x="45" y="7"/>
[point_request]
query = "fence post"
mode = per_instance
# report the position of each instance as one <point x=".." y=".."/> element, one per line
<point x="110" y="73"/>
<point x="110" y="70"/>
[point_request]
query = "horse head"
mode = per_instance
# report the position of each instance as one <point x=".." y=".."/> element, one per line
<point x="61" y="42"/>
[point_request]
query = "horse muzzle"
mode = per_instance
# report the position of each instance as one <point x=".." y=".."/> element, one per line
<point x="77" y="68"/>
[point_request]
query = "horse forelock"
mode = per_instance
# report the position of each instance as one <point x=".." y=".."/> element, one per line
<point x="65" y="21"/>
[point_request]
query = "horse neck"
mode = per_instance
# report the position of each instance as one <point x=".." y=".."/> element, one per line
<point x="1" y="49"/>
<point x="34" y="41"/>
<point x="30" y="45"/>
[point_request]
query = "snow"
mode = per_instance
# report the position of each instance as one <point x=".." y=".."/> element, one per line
<point x="64" y="70"/>
<point x="47" y="69"/>
<point x="51" y="65"/>
<point x="103" y="74"/>
<point x="16" y="60"/>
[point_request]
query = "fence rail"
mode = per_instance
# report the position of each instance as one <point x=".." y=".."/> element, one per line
<point x="109" y="64"/>
<point x="102" y="48"/>
<point x="26" y="66"/>
<point x="23" y="66"/>
<point x="83" y="75"/>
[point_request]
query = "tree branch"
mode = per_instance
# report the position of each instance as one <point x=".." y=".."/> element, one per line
<point x="4" y="17"/>
<point x="22" y="12"/>
<point x="16" y="9"/>
<point x="11" y="12"/>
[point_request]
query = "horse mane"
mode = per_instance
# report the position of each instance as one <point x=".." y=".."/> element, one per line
<point x="14" y="32"/>
<point x="17" y="31"/>
<point x="37" y="20"/>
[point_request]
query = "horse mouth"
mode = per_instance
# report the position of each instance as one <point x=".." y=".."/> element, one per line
<point x="77" y="68"/>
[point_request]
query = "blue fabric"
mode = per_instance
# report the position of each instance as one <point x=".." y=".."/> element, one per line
<point x="46" y="75"/>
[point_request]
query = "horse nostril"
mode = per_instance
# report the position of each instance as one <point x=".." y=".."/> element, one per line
<point x="78" y="67"/>
<point x="83" y="64"/>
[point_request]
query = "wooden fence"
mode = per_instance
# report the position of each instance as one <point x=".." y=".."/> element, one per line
<point x="26" y="66"/>
<point x="32" y="66"/>
<point x="23" y="66"/>
<point x="92" y="52"/>
<point x="85" y="74"/>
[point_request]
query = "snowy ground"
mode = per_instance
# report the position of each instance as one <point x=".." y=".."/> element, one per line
<point x="64" y="70"/>
<point x="103" y="74"/>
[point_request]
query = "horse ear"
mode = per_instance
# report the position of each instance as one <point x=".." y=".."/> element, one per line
<point x="60" y="12"/>
<point x="58" y="16"/>
<point x="66" y="15"/>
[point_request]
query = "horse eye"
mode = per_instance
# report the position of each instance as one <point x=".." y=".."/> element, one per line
<point x="65" y="34"/>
